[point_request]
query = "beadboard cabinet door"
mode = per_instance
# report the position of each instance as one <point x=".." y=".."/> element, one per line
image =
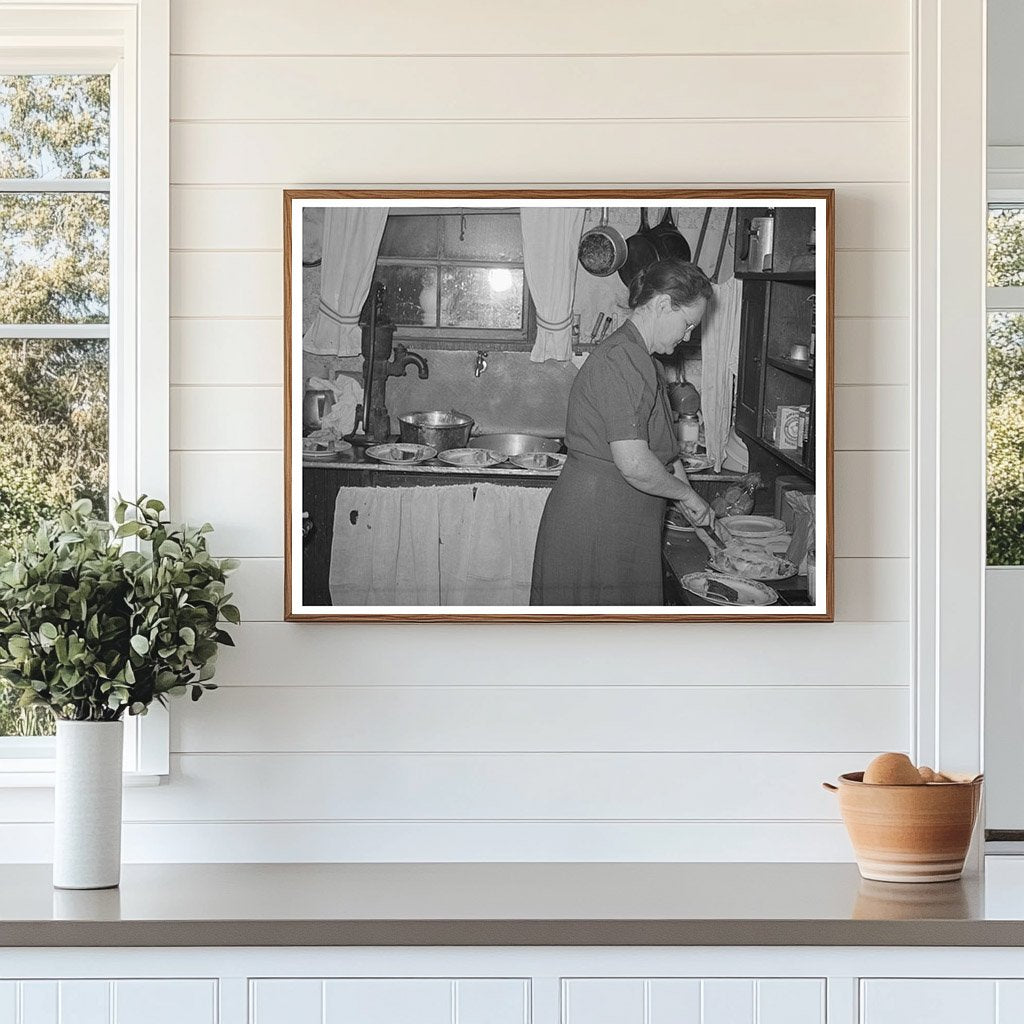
<point x="942" y="1001"/>
<point x="693" y="1001"/>
<point x="101" y="1001"/>
<point x="388" y="1001"/>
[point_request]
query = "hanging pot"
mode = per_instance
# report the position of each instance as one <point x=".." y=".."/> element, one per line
<point x="667" y="239"/>
<point x="641" y="252"/>
<point x="87" y="805"/>
<point x="602" y="249"/>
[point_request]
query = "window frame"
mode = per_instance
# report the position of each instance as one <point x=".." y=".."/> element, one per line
<point x="130" y="41"/>
<point x="442" y="337"/>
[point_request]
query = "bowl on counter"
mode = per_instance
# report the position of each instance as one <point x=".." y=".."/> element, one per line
<point x="912" y="833"/>
<point x="439" y="430"/>
<point x="516" y="444"/>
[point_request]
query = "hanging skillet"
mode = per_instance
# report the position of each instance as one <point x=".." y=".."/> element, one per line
<point x="602" y="249"/>
<point x="641" y="252"/>
<point x="667" y="240"/>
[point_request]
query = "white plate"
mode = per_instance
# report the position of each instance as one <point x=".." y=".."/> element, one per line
<point x="538" y="460"/>
<point x="476" y="458"/>
<point x="753" y="527"/>
<point x="401" y="453"/>
<point x="323" y="451"/>
<point x="750" y="591"/>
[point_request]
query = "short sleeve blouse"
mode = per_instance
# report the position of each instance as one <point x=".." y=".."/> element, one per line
<point x="616" y="397"/>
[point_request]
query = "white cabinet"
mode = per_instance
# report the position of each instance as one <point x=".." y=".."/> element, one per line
<point x="96" y="1001"/>
<point x="693" y="1001"/>
<point x="388" y="1001"/>
<point x="942" y="1001"/>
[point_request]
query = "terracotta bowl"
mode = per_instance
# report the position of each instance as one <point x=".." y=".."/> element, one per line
<point x="909" y="833"/>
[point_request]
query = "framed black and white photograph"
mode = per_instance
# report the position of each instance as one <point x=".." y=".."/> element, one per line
<point x="559" y="405"/>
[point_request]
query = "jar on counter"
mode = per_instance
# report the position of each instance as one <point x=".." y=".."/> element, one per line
<point x="688" y="432"/>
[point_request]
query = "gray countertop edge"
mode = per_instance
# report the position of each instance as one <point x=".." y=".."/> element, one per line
<point x="511" y="933"/>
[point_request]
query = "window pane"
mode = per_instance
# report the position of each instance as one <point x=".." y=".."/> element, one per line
<point x="482" y="297"/>
<point x="1005" y="246"/>
<point x="54" y="126"/>
<point x="410" y="236"/>
<point x="54" y="257"/>
<point x="411" y="296"/>
<point x="483" y="237"/>
<point x="1005" y="483"/>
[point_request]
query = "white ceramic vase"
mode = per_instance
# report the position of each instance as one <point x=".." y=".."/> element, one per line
<point x="87" y="805"/>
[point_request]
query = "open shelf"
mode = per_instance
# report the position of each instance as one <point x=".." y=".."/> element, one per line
<point x="792" y="366"/>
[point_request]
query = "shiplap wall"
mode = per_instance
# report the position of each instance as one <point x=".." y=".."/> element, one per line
<point x="602" y="742"/>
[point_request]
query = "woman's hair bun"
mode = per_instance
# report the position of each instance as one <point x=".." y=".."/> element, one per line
<point x="681" y="280"/>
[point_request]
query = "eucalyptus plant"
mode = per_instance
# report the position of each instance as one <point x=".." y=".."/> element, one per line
<point x="92" y="627"/>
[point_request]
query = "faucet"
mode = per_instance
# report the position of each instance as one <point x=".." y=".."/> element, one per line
<point x="481" y="363"/>
<point x="401" y="360"/>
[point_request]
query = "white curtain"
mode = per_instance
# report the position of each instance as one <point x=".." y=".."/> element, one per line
<point x="551" y="239"/>
<point x="461" y="544"/>
<point x="720" y="351"/>
<point x="351" y="239"/>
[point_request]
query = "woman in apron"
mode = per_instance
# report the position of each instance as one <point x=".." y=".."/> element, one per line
<point x="599" y="541"/>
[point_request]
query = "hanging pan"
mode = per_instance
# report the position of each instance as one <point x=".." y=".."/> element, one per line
<point x="667" y="239"/>
<point x="602" y="249"/>
<point x="641" y="251"/>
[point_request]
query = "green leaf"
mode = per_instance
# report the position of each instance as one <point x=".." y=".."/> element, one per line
<point x="231" y="613"/>
<point x="140" y="644"/>
<point x="49" y="631"/>
<point x="170" y="549"/>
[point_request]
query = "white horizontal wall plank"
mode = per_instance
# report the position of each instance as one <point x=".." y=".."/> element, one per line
<point x="935" y="1000"/>
<point x="867" y="589"/>
<point x="578" y="26"/>
<point x="212" y="418"/>
<point x="872" y="350"/>
<point x="158" y="842"/>
<point x="870" y="418"/>
<point x="868" y="216"/>
<point x="538" y="88"/>
<point x="447" y="786"/>
<point x="240" y="493"/>
<point x="798" y="654"/>
<point x="227" y="352"/>
<point x="573" y="152"/>
<point x="592" y="719"/>
<point x="872" y="589"/>
<point x="872" y="504"/>
<point x="872" y="283"/>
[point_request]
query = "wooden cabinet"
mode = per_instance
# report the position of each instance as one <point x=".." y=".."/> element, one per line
<point x="693" y="1001"/>
<point x="777" y="316"/>
<point x="388" y="1001"/>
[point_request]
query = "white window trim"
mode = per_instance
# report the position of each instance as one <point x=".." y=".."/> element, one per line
<point x="949" y="315"/>
<point x="131" y="41"/>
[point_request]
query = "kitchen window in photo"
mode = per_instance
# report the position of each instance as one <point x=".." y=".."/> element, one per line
<point x="455" y="277"/>
<point x="54" y="309"/>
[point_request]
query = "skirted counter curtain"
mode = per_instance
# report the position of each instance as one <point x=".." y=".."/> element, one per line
<point x="351" y="239"/>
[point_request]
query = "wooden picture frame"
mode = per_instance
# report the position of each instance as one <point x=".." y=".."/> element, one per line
<point x="776" y="301"/>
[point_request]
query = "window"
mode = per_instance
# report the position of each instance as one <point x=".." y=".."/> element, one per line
<point x="54" y="309"/>
<point x="83" y="288"/>
<point x="1005" y="477"/>
<point x="456" y="277"/>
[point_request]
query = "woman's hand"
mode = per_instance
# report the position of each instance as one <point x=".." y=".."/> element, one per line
<point x="697" y="511"/>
